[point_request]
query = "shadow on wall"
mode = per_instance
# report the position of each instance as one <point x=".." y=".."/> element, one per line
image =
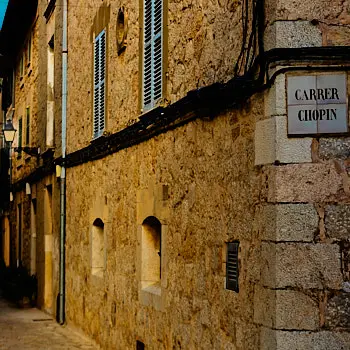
<point x="18" y="285"/>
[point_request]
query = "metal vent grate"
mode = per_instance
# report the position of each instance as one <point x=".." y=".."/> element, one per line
<point x="232" y="270"/>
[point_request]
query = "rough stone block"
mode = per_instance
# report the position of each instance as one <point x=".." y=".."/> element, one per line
<point x="289" y="222"/>
<point x="285" y="340"/>
<point x="301" y="265"/>
<point x="304" y="183"/>
<point x="337" y="221"/>
<point x="291" y="150"/>
<point x="336" y="35"/>
<point x="285" y="309"/>
<point x="268" y="339"/>
<point x="312" y="341"/>
<point x="292" y="34"/>
<point x="265" y="135"/>
<point x="265" y="306"/>
<point x="337" y="311"/>
<point x="295" y="9"/>
<point x="345" y="261"/>
<point x="295" y="310"/>
<point x="275" y="98"/>
<point x="273" y="145"/>
<point x="330" y="148"/>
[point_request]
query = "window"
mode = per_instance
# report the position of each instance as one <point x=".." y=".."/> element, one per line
<point x="232" y="268"/>
<point x="20" y="131"/>
<point x="29" y="50"/>
<point x="97" y="248"/>
<point x="20" y="235"/>
<point x="99" y="84"/>
<point x="152" y="53"/>
<point x="21" y="66"/>
<point x="50" y="109"/>
<point x="27" y="131"/>
<point x="151" y="252"/>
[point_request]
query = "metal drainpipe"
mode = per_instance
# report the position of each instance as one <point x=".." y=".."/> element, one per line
<point x="61" y="316"/>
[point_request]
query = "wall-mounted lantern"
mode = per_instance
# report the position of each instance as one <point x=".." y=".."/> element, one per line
<point x="9" y="132"/>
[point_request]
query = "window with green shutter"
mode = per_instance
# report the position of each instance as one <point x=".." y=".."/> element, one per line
<point x="27" y="141"/>
<point x="99" y="84"/>
<point x="232" y="268"/>
<point x="20" y="131"/>
<point x="152" y="80"/>
<point x="29" y="50"/>
<point x="21" y="67"/>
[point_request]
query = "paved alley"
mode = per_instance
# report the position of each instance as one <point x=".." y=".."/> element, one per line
<point x="31" y="328"/>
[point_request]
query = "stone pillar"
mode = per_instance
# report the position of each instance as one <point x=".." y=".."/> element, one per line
<point x="304" y="296"/>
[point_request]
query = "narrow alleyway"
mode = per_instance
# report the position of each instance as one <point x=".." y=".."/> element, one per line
<point x="22" y="329"/>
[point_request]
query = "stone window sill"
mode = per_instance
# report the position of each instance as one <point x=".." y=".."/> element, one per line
<point x="151" y="295"/>
<point x="97" y="272"/>
<point x="153" y="289"/>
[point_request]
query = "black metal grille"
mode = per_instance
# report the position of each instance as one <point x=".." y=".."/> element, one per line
<point x="232" y="268"/>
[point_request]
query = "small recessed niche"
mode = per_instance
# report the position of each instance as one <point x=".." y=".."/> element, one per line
<point x="151" y="252"/>
<point x="97" y="248"/>
<point x="122" y="30"/>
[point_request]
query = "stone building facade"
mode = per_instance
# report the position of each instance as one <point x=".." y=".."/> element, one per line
<point x="171" y="167"/>
<point x="33" y="212"/>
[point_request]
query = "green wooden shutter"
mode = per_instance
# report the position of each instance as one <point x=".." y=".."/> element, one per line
<point x="152" y="55"/>
<point x="99" y="83"/>
<point x="232" y="268"/>
<point x="29" y="50"/>
<point x="20" y="131"/>
<point x="27" y="126"/>
<point x="21" y="66"/>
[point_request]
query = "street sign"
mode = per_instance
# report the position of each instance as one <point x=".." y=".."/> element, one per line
<point x="317" y="104"/>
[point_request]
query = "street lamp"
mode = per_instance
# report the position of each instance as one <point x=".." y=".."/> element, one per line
<point x="9" y="134"/>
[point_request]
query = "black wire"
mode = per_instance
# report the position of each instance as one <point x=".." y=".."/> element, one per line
<point x="252" y="18"/>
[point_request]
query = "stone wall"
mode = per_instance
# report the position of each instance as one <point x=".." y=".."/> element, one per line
<point x="211" y="192"/>
<point x="31" y="91"/>
<point x="203" y="39"/>
<point x="237" y="176"/>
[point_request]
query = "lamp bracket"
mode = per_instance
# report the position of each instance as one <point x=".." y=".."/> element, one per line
<point x="32" y="151"/>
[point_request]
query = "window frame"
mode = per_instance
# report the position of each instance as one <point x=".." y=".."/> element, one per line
<point x="21" y="66"/>
<point x="20" y="136"/>
<point x="29" y="50"/>
<point x="27" y="127"/>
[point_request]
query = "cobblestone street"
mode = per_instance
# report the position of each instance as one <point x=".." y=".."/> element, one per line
<point x="31" y="328"/>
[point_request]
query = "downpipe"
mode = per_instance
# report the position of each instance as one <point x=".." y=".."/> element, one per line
<point x="62" y="267"/>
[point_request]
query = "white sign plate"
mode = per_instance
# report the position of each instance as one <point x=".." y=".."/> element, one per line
<point x="317" y="104"/>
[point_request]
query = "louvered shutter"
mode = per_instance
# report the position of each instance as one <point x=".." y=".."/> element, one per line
<point x="28" y="127"/>
<point x="20" y="132"/>
<point x="152" y="55"/>
<point x="99" y="83"/>
<point x="232" y="271"/>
